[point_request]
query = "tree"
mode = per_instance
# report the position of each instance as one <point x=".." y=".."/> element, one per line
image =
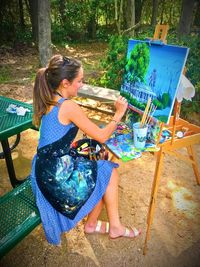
<point x="138" y="10"/>
<point x="32" y="6"/>
<point x="92" y="23"/>
<point x="137" y="64"/>
<point x="119" y="15"/>
<point x="44" y="31"/>
<point x="125" y="16"/>
<point x="197" y="17"/>
<point x="163" y="7"/>
<point x="21" y="15"/>
<point x="130" y="16"/>
<point x="186" y="18"/>
<point x="154" y="12"/>
<point x="62" y="10"/>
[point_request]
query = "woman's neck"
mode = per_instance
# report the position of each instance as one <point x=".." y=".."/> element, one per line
<point x="59" y="94"/>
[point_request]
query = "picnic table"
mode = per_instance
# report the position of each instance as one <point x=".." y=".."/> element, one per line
<point x="18" y="212"/>
<point x="12" y="124"/>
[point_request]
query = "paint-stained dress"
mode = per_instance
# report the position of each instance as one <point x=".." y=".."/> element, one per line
<point x="66" y="188"/>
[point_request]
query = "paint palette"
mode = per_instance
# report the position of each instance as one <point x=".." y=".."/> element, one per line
<point x="121" y="144"/>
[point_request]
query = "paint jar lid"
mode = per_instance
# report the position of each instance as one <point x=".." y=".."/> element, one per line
<point x="180" y="134"/>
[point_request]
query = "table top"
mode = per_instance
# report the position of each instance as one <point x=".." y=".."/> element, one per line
<point x="11" y="123"/>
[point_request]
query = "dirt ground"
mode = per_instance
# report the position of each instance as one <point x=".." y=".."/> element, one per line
<point x="175" y="232"/>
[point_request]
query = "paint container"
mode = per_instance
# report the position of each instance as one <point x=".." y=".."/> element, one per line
<point x="139" y="135"/>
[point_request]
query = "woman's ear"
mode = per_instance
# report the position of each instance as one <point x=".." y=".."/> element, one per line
<point x="65" y="83"/>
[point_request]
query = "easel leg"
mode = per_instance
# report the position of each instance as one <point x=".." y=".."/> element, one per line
<point x="159" y="163"/>
<point x="192" y="155"/>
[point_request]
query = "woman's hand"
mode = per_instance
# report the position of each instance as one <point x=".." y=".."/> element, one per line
<point x="121" y="105"/>
<point x="72" y="112"/>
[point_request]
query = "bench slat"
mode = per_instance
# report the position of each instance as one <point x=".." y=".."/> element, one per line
<point x="18" y="216"/>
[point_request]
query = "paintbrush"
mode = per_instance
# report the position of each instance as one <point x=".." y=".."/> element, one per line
<point x="150" y="117"/>
<point x="145" y="112"/>
<point x="149" y="113"/>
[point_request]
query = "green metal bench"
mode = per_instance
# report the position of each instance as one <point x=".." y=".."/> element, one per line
<point x="18" y="216"/>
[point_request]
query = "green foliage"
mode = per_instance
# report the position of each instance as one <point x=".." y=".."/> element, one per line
<point x="11" y="35"/>
<point x="81" y="20"/>
<point x="189" y="107"/>
<point x="162" y="118"/>
<point x="157" y="103"/>
<point x="5" y="74"/>
<point x="69" y="23"/>
<point x="162" y="101"/>
<point x="114" y="63"/>
<point x="137" y="64"/>
<point x="76" y="21"/>
<point x="58" y="35"/>
<point x="137" y="104"/>
<point x="193" y="64"/>
<point x="192" y="70"/>
<point x="133" y="101"/>
<point x="24" y="36"/>
<point x="165" y="100"/>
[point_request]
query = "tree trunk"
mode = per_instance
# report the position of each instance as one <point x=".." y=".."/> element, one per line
<point x="33" y="10"/>
<point x="44" y="32"/>
<point x="162" y="11"/>
<point x="138" y="10"/>
<point x="186" y="18"/>
<point x="92" y="27"/>
<point x="92" y="20"/>
<point x="21" y="14"/>
<point x="197" y="15"/>
<point x="130" y="16"/>
<point x="118" y="15"/>
<point x="154" y="12"/>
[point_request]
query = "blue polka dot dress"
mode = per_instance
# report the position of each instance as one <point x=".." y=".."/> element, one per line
<point x="66" y="188"/>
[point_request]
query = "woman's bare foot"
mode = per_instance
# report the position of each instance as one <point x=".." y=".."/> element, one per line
<point x="100" y="227"/>
<point x="124" y="232"/>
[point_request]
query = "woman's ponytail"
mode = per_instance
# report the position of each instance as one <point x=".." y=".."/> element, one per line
<point x="42" y="96"/>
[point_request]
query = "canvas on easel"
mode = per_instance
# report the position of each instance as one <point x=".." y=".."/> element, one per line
<point x="153" y="71"/>
<point x="191" y="136"/>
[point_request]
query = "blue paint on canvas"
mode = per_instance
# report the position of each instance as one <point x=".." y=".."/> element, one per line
<point x="153" y="71"/>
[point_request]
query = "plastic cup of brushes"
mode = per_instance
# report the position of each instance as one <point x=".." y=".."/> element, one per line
<point x="139" y="135"/>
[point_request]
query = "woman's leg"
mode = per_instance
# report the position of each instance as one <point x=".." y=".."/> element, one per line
<point x="91" y="222"/>
<point x="92" y="218"/>
<point x="111" y="201"/>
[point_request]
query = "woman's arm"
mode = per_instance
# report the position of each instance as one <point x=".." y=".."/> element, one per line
<point x="71" y="112"/>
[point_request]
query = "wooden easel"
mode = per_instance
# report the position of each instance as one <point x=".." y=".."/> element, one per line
<point x="161" y="33"/>
<point x="191" y="137"/>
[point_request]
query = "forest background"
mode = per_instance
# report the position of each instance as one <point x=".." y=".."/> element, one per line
<point x="96" y="32"/>
<point x="48" y="26"/>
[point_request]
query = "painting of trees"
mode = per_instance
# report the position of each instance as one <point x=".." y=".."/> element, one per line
<point x="137" y="64"/>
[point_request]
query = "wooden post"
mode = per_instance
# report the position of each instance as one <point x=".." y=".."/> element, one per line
<point x="192" y="156"/>
<point x="158" y="169"/>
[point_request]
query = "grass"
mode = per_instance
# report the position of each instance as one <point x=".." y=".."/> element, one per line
<point x="5" y="74"/>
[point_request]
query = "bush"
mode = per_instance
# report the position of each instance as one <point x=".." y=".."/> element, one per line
<point x="114" y="63"/>
<point x="165" y="100"/>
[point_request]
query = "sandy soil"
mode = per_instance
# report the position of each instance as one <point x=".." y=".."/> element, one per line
<point x="175" y="232"/>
